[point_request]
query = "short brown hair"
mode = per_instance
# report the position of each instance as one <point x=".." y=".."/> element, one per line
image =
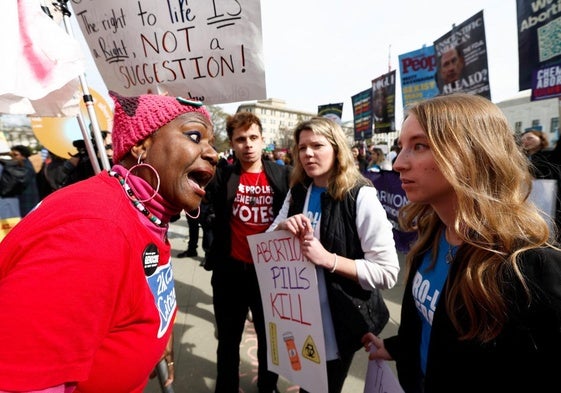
<point x="242" y="120"/>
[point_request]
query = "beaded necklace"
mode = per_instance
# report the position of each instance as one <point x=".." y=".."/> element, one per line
<point x="136" y="202"/>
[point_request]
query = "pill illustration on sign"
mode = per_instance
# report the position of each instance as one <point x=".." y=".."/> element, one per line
<point x="292" y="352"/>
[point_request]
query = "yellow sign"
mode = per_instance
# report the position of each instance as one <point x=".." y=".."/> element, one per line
<point x="309" y="350"/>
<point x="274" y="344"/>
<point x="57" y="133"/>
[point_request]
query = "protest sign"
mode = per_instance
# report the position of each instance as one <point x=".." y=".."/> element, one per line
<point x="331" y="111"/>
<point x="209" y="51"/>
<point x="417" y="70"/>
<point x="539" y="54"/>
<point x="383" y="102"/>
<point x="362" y="114"/>
<point x="380" y="378"/>
<point x="392" y="197"/>
<point x="544" y="197"/>
<point x="461" y="57"/>
<point x="289" y="291"/>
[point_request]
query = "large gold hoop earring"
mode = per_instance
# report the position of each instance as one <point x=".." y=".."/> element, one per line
<point x="139" y="164"/>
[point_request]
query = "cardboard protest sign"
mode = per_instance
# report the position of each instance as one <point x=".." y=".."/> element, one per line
<point x="289" y="291"/>
<point x="209" y="51"/>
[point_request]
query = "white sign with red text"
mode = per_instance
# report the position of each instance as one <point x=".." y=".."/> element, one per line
<point x="289" y="291"/>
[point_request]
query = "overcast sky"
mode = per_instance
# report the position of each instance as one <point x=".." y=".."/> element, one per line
<point x="325" y="51"/>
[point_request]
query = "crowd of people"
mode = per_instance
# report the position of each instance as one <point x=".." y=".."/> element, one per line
<point x="481" y="309"/>
<point x="54" y="173"/>
<point x="22" y="188"/>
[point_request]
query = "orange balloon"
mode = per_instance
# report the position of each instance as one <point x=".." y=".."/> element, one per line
<point x="57" y="133"/>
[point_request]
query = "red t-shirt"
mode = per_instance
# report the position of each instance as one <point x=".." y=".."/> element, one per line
<point x="86" y="294"/>
<point x="252" y="212"/>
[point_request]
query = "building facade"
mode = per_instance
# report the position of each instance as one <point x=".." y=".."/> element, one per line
<point x="279" y="121"/>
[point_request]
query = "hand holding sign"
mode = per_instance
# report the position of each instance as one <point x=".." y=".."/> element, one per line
<point x="379" y="377"/>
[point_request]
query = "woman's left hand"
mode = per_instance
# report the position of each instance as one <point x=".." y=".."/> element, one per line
<point x="299" y="225"/>
<point x="375" y="346"/>
<point x="315" y="252"/>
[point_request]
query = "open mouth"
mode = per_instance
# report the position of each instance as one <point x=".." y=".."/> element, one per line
<point x="201" y="178"/>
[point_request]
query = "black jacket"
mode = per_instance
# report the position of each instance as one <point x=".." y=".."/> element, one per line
<point x="354" y="310"/>
<point x="221" y="193"/>
<point x="525" y="357"/>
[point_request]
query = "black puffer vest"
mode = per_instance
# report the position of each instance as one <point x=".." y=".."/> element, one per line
<point x="354" y="310"/>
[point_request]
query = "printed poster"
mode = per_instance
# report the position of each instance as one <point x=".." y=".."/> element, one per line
<point x="362" y="114"/>
<point x="417" y="70"/>
<point x="291" y="307"/>
<point x="392" y="197"/>
<point x="461" y="58"/>
<point x="539" y="48"/>
<point x="546" y="83"/>
<point x="383" y="103"/>
<point x="331" y="111"/>
<point x="210" y="51"/>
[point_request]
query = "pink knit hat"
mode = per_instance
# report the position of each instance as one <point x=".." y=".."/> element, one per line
<point x="136" y="118"/>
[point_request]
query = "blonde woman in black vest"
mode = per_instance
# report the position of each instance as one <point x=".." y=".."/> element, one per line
<point x="344" y="231"/>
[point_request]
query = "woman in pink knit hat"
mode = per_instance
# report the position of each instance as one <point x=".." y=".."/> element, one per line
<point x="86" y="284"/>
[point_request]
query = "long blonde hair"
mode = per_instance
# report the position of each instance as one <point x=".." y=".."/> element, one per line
<point x="477" y="153"/>
<point x="345" y="174"/>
